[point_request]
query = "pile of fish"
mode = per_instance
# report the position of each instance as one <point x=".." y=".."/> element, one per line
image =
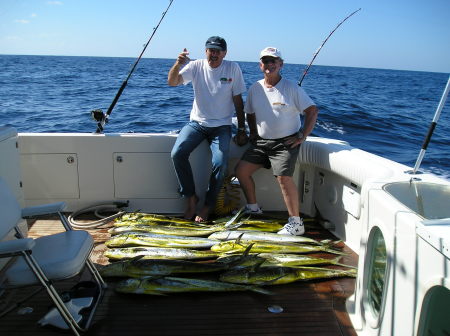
<point x="234" y="254"/>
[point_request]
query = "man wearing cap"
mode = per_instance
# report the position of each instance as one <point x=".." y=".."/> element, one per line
<point x="273" y="107"/>
<point x="218" y="85"/>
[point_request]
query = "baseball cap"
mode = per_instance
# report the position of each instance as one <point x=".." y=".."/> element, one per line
<point x="216" y="42"/>
<point x="270" y="51"/>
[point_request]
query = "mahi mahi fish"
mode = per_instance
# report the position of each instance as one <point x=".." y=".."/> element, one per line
<point x="275" y="259"/>
<point x="158" y="240"/>
<point x="168" y="230"/>
<point x="270" y="247"/>
<point x="194" y="225"/>
<point x="162" y="286"/>
<point x="138" y="267"/>
<point x="282" y="275"/>
<point x="260" y="236"/>
<point x="280" y="259"/>
<point x="158" y="253"/>
<point x="140" y="216"/>
<point x="179" y="230"/>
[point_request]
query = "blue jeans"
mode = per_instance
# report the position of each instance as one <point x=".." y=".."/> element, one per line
<point x="191" y="135"/>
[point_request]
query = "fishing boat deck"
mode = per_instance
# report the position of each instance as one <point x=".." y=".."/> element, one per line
<point x="309" y="308"/>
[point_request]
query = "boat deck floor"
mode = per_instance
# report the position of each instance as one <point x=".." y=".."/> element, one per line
<point x="308" y="308"/>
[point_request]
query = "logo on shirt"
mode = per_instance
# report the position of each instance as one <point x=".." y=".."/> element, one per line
<point x="224" y="80"/>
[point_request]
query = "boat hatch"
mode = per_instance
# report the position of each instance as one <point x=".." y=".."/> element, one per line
<point x="429" y="200"/>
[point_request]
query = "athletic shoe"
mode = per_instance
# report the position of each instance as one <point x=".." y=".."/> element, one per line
<point x="248" y="211"/>
<point x="293" y="228"/>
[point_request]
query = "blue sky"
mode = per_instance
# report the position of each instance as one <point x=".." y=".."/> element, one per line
<point x="389" y="34"/>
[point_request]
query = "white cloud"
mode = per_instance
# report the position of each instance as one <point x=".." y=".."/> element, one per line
<point x="22" y="21"/>
<point x="33" y="15"/>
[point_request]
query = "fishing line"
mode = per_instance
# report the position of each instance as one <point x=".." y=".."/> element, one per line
<point x="98" y="114"/>
<point x="325" y="41"/>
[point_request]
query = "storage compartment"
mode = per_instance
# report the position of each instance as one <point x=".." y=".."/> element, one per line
<point x="144" y="175"/>
<point x="54" y="176"/>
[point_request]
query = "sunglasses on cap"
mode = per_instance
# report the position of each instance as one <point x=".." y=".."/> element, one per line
<point x="267" y="60"/>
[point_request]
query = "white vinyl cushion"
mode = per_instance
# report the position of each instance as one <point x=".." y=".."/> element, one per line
<point x="61" y="256"/>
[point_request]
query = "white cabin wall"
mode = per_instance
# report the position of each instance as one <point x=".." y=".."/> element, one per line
<point x="89" y="170"/>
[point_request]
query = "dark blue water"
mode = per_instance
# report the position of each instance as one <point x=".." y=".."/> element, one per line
<point x="385" y="112"/>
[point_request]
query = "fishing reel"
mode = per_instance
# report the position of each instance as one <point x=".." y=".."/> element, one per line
<point x="101" y="119"/>
<point x="98" y="115"/>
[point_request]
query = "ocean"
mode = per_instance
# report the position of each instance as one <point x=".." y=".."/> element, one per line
<point x="385" y="112"/>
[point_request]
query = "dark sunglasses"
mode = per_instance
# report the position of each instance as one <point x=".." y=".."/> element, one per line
<point x="267" y="60"/>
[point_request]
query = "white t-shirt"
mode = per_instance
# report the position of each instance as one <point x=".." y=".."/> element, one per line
<point x="277" y="110"/>
<point x="214" y="89"/>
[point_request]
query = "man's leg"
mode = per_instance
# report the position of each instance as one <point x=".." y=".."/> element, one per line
<point x="294" y="226"/>
<point x="244" y="172"/>
<point x="290" y="195"/>
<point x="188" y="139"/>
<point x="220" y="147"/>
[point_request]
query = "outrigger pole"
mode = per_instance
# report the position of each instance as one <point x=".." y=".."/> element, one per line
<point x="325" y="41"/>
<point x="101" y="117"/>
<point x="432" y="127"/>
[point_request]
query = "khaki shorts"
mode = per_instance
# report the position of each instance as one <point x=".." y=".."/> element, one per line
<point x="273" y="153"/>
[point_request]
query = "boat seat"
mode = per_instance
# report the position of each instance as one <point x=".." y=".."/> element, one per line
<point x="47" y="259"/>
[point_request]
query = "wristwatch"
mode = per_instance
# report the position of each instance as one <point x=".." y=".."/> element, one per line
<point x="300" y="135"/>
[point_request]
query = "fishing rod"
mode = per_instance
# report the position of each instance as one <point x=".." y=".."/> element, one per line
<point x="101" y="117"/>
<point x="325" y="41"/>
<point x="432" y="127"/>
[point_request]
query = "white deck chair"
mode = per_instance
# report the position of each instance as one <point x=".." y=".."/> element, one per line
<point x="46" y="259"/>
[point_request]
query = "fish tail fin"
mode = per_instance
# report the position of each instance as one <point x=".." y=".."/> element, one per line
<point x="344" y="265"/>
<point x="233" y="221"/>
<point x="261" y="290"/>
<point x="330" y="242"/>
<point x="330" y="247"/>
<point x="155" y="292"/>
<point x="334" y="251"/>
<point x="353" y="272"/>
<point x="335" y="261"/>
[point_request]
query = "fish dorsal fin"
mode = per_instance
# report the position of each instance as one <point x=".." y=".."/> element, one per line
<point x="257" y="266"/>
<point x="242" y="257"/>
<point x="135" y="259"/>
<point x="238" y="239"/>
<point x="247" y="249"/>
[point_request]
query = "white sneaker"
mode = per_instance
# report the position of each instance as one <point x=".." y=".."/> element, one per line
<point x="293" y="228"/>
<point x="248" y="211"/>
